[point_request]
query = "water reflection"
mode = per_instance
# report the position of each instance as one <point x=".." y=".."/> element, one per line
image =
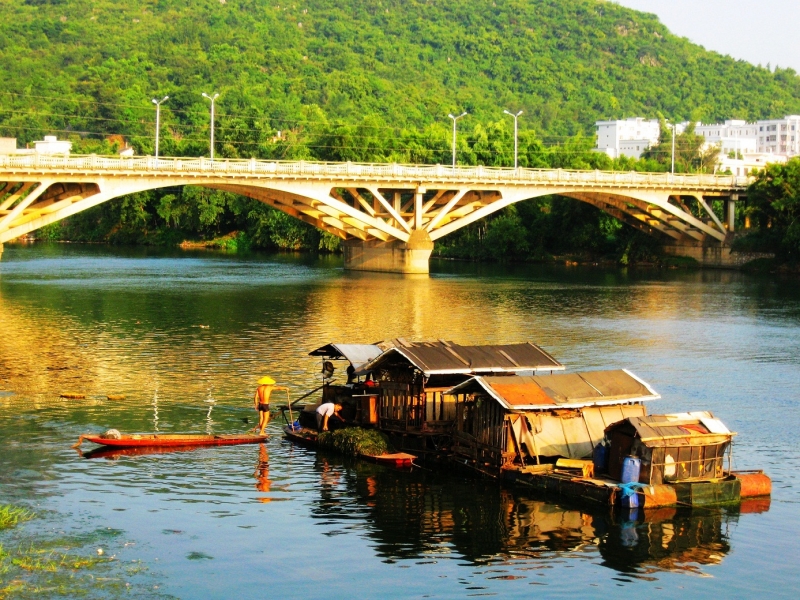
<point x="263" y="483"/>
<point x="432" y="516"/>
<point x="104" y="322"/>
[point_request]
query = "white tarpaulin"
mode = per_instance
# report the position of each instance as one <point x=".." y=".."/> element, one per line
<point x="548" y="434"/>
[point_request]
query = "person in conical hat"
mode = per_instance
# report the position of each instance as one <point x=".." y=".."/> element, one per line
<point x="266" y="385"/>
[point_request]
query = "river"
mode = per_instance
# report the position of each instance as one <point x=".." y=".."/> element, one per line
<point x="183" y="336"/>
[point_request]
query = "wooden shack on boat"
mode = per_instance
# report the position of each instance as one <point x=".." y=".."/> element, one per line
<point x="508" y="423"/>
<point x="348" y="390"/>
<point x="413" y="376"/>
<point x="672" y="448"/>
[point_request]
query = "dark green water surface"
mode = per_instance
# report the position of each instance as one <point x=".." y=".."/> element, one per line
<point x="184" y="337"/>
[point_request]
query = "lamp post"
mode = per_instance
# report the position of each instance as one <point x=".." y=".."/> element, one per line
<point x="673" y="148"/>
<point x="158" y="118"/>
<point x="515" y="117"/>
<point x="212" y="98"/>
<point x="464" y="114"/>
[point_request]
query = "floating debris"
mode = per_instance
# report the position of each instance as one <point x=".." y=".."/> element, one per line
<point x="71" y="396"/>
<point x="116" y="397"/>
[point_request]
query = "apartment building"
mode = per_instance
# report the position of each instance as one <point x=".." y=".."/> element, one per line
<point x="628" y="137"/>
<point x="779" y="136"/>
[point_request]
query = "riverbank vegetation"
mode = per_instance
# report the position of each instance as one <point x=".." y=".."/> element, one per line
<point x="350" y="80"/>
<point x="773" y="207"/>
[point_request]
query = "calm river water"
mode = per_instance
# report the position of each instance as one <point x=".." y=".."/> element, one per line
<point x="184" y="337"/>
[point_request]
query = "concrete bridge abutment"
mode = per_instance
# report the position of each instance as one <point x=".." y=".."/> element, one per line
<point x="714" y="255"/>
<point x="393" y="256"/>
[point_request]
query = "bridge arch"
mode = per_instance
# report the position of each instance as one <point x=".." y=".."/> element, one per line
<point x="392" y="210"/>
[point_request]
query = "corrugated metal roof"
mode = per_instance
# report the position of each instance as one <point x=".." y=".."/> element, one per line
<point x="658" y="428"/>
<point x="573" y="390"/>
<point x="442" y="357"/>
<point x="357" y="354"/>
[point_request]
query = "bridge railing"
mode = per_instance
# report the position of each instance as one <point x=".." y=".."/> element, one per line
<point x="90" y="164"/>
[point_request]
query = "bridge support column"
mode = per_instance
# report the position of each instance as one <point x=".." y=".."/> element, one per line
<point x="391" y="256"/>
<point x="730" y="213"/>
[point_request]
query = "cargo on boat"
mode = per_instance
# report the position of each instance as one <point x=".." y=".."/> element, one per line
<point x="311" y="438"/>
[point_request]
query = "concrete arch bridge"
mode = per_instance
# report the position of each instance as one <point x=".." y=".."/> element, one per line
<point x="388" y="215"/>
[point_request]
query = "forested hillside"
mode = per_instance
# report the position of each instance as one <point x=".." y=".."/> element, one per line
<point x="369" y="80"/>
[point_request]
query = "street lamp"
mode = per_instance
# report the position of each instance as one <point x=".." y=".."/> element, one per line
<point x="158" y="118"/>
<point x="515" y="117"/>
<point x="464" y="114"/>
<point x="212" y="98"/>
<point x="673" y="148"/>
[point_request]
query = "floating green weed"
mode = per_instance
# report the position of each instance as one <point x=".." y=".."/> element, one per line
<point x="10" y="516"/>
<point x="355" y="440"/>
<point x="35" y="566"/>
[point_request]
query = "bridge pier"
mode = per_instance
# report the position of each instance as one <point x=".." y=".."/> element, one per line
<point x="713" y="255"/>
<point x="392" y="256"/>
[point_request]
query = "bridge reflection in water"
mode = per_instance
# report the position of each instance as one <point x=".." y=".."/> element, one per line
<point x="431" y="516"/>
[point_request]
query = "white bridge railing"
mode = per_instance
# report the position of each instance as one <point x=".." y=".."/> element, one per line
<point x="93" y="164"/>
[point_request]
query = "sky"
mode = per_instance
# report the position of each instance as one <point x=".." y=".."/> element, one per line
<point x="758" y="31"/>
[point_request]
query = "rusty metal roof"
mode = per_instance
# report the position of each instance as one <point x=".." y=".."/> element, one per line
<point x="442" y="358"/>
<point x="573" y="390"/>
<point x="696" y="427"/>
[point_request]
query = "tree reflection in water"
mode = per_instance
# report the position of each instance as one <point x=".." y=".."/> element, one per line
<point x="431" y="515"/>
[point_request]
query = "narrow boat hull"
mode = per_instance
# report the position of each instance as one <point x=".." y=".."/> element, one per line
<point x="309" y="438"/>
<point x="173" y="440"/>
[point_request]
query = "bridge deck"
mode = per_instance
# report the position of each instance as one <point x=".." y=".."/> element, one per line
<point x="93" y="165"/>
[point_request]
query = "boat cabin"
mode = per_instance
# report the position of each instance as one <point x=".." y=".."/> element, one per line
<point x="506" y="423"/>
<point x="413" y="377"/>
<point x="671" y="448"/>
<point x="345" y="387"/>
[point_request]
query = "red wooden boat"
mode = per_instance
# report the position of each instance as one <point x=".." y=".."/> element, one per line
<point x="161" y="440"/>
<point x="308" y="437"/>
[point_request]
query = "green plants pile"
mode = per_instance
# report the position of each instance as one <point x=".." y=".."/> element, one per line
<point x="355" y="441"/>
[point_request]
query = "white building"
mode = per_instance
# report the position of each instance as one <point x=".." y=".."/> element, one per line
<point x="8" y="145"/>
<point x="733" y="137"/>
<point x="52" y="145"/>
<point x="746" y="163"/>
<point x="780" y="136"/>
<point x="630" y="137"/>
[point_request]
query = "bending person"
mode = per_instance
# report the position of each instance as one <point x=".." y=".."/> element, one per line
<point x="325" y="412"/>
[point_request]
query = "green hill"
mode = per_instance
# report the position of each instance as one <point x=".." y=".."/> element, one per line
<point x="349" y="80"/>
<point x="93" y="67"/>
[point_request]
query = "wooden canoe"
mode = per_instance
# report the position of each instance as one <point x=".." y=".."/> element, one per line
<point x="308" y="437"/>
<point x="172" y="440"/>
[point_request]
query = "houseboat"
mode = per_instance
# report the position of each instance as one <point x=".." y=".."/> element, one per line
<point x="510" y="423"/>
<point x="399" y="386"/>
<point x="586" y="436"/>
<point x="506" y="412"/>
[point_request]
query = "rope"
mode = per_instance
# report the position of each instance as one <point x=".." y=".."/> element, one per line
<point x="629" y="489"/>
